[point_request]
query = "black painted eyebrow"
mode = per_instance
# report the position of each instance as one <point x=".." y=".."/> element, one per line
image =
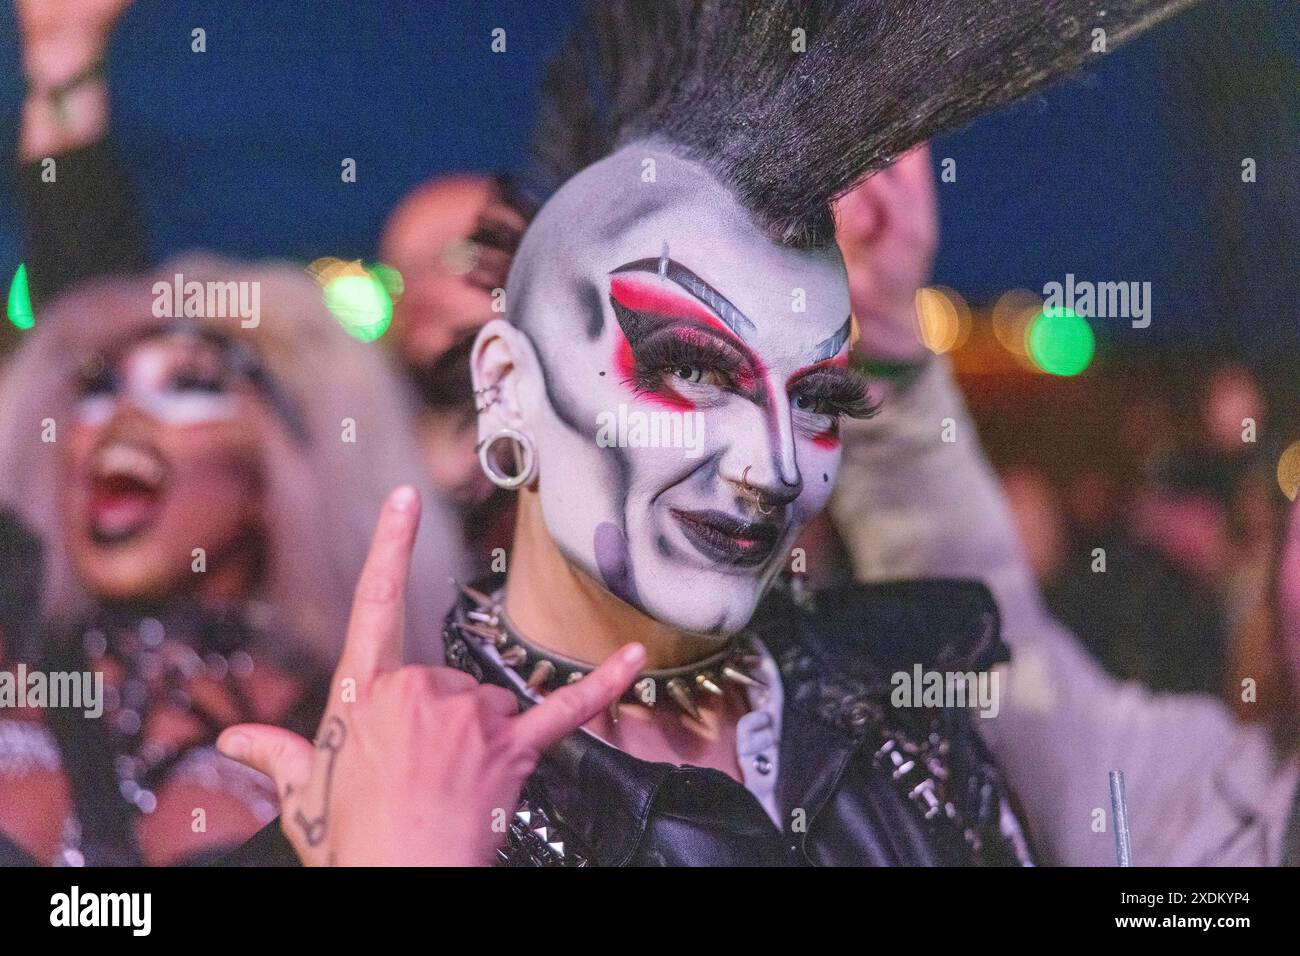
<point x="830" y="347"/>
<point x="677" y="273"/>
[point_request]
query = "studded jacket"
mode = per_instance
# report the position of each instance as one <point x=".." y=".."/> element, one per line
<point x="859" y="781"/>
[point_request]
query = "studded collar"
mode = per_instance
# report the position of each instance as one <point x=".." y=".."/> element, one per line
<point x="921" y="775"/>
<point x="602" y="798"/>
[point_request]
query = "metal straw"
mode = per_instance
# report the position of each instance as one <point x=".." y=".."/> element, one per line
<point x="1119" y="806"/>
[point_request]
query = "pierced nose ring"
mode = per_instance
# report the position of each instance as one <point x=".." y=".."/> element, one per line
<point x="753" y="492"/>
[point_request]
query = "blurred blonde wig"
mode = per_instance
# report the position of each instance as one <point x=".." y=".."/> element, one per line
<point x="321" y="495"/>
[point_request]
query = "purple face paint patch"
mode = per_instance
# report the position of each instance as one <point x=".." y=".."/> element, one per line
<point x="610" y="547"/>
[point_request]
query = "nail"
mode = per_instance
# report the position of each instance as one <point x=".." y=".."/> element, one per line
<point x="235" y="746"/>
<point x="403" y="498"/>
<point x="634" y="654"/>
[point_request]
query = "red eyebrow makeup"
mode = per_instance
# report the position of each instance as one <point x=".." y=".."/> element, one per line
<point x="647" y="297"/>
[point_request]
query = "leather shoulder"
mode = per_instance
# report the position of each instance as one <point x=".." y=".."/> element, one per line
<point x="940" y="623"/>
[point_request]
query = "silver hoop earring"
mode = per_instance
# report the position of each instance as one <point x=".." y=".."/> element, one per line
<point x="525" y="459"/>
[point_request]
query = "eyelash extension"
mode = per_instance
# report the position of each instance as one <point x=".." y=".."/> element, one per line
<point x="847" y="394"/>
<point x="664" y="350"/>
<point x="660" y="343"/>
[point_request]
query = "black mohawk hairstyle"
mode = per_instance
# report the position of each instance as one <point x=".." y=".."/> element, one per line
<point x="788" y="129"/>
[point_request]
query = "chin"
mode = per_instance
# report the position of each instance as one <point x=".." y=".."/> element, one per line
<point x="729" y="607"/>
<point x="123" y="577"/>
<point x="128" y="590"/>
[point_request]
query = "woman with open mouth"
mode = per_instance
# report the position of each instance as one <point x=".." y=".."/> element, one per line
<point x="202" y="487"/>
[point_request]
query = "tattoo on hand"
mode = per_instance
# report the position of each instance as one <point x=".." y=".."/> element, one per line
<point x="331" y="740"/>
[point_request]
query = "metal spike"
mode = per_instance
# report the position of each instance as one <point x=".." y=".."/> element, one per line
<point x="514" y="655"/>
<point x="557" y="848"/>
<point x="483" y="617"/>
<point x="523" y="816"/>
<point x="705" y="683"/>
<point x="645" y="691"/>
<point x="740" y="677"/>
<point x="542" y="672"/>
<point x="681" y="694"/>
<point x="498" y="638"/>
<point x="543" y="832"/>
<point x="475" y="595"/>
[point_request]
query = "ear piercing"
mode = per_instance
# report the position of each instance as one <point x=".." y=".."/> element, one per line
<point x="751" y="492"/>
<point x="525" y="459"/>
<point x="486" y="397"/>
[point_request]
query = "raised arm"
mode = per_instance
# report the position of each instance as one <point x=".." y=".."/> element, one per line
<point x="79" y="218"/>
<point x="412" y="765"/>
<point x="917" y="498"/>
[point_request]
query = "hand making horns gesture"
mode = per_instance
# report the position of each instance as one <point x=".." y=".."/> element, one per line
<point x="411" y="765"/>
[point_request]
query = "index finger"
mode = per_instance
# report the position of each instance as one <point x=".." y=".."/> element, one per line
<point x="574" y="704"/>
<point x="374" y="641"/>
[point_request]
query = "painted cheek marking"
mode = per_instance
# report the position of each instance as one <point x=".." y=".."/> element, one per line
<point x="644" y="297"/>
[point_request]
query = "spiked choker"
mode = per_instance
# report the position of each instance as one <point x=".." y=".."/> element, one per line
<point x="485" y="624"/>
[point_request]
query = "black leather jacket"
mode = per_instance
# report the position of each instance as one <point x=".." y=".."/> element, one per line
<point x="859" y="781"/>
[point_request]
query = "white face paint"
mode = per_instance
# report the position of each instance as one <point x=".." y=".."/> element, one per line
<point x="663" y="298"/>
<point x="174" y="378"/>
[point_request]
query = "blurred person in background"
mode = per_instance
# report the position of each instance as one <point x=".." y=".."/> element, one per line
<point x="79" y="216"/>
<point x="20" y="583"/>
<point x="452" y="240"/>
<point x="1251" y="607"/>
<point x="1189" y="552"/>
<point x="1036" y="511"/>
<point x="1285" y="607"/>
<point x="1140" y="587"/>
<point x="1232" y="411"/>
<point x="202" y="493"/>
<point x="1233" y="417"/>
<point x="1202" y="789"/>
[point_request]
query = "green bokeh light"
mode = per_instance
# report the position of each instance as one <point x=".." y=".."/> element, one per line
<point x="20" y="300"/>
<point x="362" y="305"/>
<point x="1060" y="342"/>
<point x="390" y="277"/>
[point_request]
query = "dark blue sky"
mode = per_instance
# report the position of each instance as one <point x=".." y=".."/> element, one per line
<point x="1131" y="172"/>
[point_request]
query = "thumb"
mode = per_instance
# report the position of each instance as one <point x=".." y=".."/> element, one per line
<point x="280" y="754"/>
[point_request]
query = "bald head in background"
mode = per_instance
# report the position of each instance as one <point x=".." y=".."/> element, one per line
<point x="447" y="274"/>
<point x="451" y="239"/>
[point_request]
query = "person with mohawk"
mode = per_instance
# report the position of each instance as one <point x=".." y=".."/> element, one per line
<point x="637" y="692"/>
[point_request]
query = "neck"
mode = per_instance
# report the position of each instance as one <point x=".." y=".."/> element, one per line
<point x="559" y="607"/>
<point x="234" y="574"/>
